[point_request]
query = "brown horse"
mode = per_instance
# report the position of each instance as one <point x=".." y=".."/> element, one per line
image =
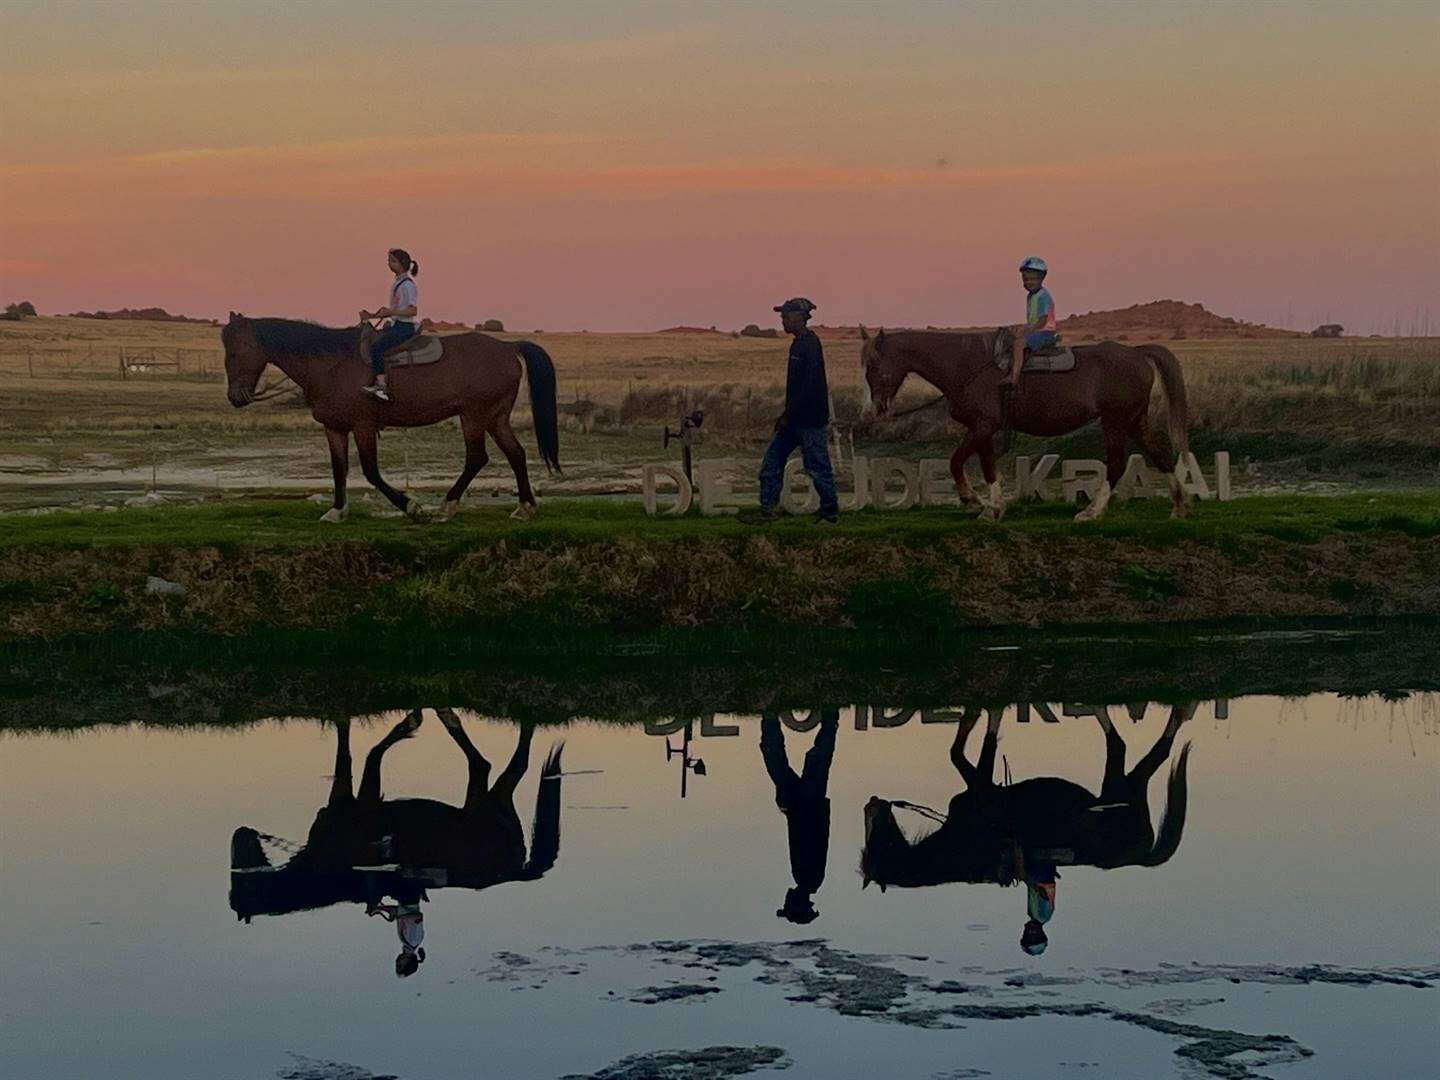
<point x="477" y="379"/>
<point x="1110" y="381"/>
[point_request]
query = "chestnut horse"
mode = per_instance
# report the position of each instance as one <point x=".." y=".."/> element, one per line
<point x="477" y="379"/>
<point x="1110" y="381"/>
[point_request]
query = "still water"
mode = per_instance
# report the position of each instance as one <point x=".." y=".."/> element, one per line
<point x="1219" y="888"/>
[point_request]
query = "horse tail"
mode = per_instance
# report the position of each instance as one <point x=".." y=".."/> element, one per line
<point x="545" y="833"/>
<point x="1177" y="406"/>
<point x="540" y="372"/>
<point x="1172" y="824"/>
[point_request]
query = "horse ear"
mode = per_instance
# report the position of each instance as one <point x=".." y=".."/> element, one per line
<point x="880" y="338"/>
<point x="233" y="316"/>
<point x="864" y="336"/>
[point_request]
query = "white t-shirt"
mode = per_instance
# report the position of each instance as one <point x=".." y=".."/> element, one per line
<point x="403" y="294"/>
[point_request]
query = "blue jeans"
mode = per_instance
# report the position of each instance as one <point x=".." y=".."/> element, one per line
<point x="811" y="441"/>
<point x="1041" y="339"/>
<point x="388" y="338"/>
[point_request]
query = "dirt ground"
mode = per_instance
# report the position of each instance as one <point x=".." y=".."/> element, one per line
<point x="93" y="411"/>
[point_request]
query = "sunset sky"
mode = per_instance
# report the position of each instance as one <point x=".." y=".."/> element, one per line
<point x="626" y="165"/>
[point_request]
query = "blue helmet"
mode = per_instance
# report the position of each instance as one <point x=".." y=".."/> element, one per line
<point x="1034" y="262"/>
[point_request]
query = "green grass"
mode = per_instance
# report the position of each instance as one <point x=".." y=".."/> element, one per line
<point x="287" y="524"/>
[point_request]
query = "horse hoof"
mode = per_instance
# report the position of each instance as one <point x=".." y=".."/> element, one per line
<point x="523" y="512"/>
<point x="417" y="511"/>
<point x="991" y="514"/>
<point x="335" y="515"/>
<point x="447" y="510"/>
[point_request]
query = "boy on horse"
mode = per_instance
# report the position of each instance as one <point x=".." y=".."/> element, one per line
<point x="403" y="313"/>
<point x="1039" y="331"/>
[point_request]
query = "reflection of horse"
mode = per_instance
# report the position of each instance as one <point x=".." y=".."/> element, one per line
<point x="992" y="831"/>
<point x="362" y="842"/>
<point x="1110" y="381"/>
<point x="477" y="379"/>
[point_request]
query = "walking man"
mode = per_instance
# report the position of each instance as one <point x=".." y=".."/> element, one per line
<point x="804" y="421"/>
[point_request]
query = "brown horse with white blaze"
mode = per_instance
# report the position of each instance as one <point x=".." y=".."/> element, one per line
<point x="477" y="379"/>
<point x="1110" y="381"/>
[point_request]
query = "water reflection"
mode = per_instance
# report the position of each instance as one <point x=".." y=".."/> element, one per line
<point x="1006" y="834"/>
<point x="802" y="798"/>
<point x="363" y="848"/>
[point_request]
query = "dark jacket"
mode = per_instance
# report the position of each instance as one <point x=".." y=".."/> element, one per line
<point x="807" y="396"/>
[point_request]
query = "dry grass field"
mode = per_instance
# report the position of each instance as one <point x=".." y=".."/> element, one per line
<point x="93" y="407"/>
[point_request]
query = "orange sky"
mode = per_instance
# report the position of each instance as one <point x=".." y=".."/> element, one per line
<point x="636" y="165"/>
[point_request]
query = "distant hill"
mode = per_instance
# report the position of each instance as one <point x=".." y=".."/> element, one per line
<point x="1165" y="319"/>
<point x="692" y="330"/>
<point x="1157" y="320"/>
<point x="149" y="314"/>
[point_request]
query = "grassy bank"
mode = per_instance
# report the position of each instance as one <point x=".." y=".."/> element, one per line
<point x="182" y="678"/>
<point x="590" y="576"/>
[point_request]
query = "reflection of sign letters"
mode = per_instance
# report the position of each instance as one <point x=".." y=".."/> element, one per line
<point x="867" y="717"/>
<point x="891" y="483"/>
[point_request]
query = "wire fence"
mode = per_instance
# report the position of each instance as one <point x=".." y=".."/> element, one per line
<point x="111" y="361"/>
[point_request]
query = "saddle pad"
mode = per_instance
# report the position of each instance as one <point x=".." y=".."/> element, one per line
<point x="420" y="349"/>
<point x="1048" y="361"/>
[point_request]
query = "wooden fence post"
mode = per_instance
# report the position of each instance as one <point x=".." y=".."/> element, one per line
<point x="123" y="374"/>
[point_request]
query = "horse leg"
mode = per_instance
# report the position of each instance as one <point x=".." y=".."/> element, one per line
<point x="510" y="777"/>
<point x="475" y="459"/>
<point x="1112" y="784"/>
<point x="370" y="778"/>
<point x="339" y="467"/>
<point x="342" y="786"/>
<point x="974" y="778"/>
<point x="504" y="436"/>
<point x="1162" y="462"/>
<point x="478" y="769"/>
<point x="986" y="765"/>
<point x="986" y="442"/>
<point x="367" y="443"/>
<point x="1114" y="469"/>
<point x="957" y="470"/>
<point x="1147" y="766"/>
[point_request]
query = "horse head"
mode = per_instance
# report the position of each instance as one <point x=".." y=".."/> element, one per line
<point x="244" y="360"/>
<point x="885" y="859"/>
<point x="883" y="374"/>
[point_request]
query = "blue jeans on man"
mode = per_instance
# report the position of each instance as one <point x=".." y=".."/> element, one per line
<point x="816" y="455"/>
<point x="395" y="334"/>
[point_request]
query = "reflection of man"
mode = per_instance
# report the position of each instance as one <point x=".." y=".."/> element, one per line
<point x="409" y="923"/>
<point x="806" y="807"/>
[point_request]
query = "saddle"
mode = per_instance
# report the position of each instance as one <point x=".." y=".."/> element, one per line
<point x="1056" y="358"/>
<point x="420" y="349"/>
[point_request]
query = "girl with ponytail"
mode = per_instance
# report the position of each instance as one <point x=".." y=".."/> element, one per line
<point x="403" y="313"/>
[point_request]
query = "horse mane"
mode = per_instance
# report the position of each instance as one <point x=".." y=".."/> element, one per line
<point x="300" y="339"/>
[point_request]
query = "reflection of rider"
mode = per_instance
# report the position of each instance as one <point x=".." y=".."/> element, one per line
<point x="1040" y="876"/>
<point x="806" y="807"/>
<point x="409" y="921"/>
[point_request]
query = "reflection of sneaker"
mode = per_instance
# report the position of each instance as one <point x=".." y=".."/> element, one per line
<point x="375" y="390"/>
